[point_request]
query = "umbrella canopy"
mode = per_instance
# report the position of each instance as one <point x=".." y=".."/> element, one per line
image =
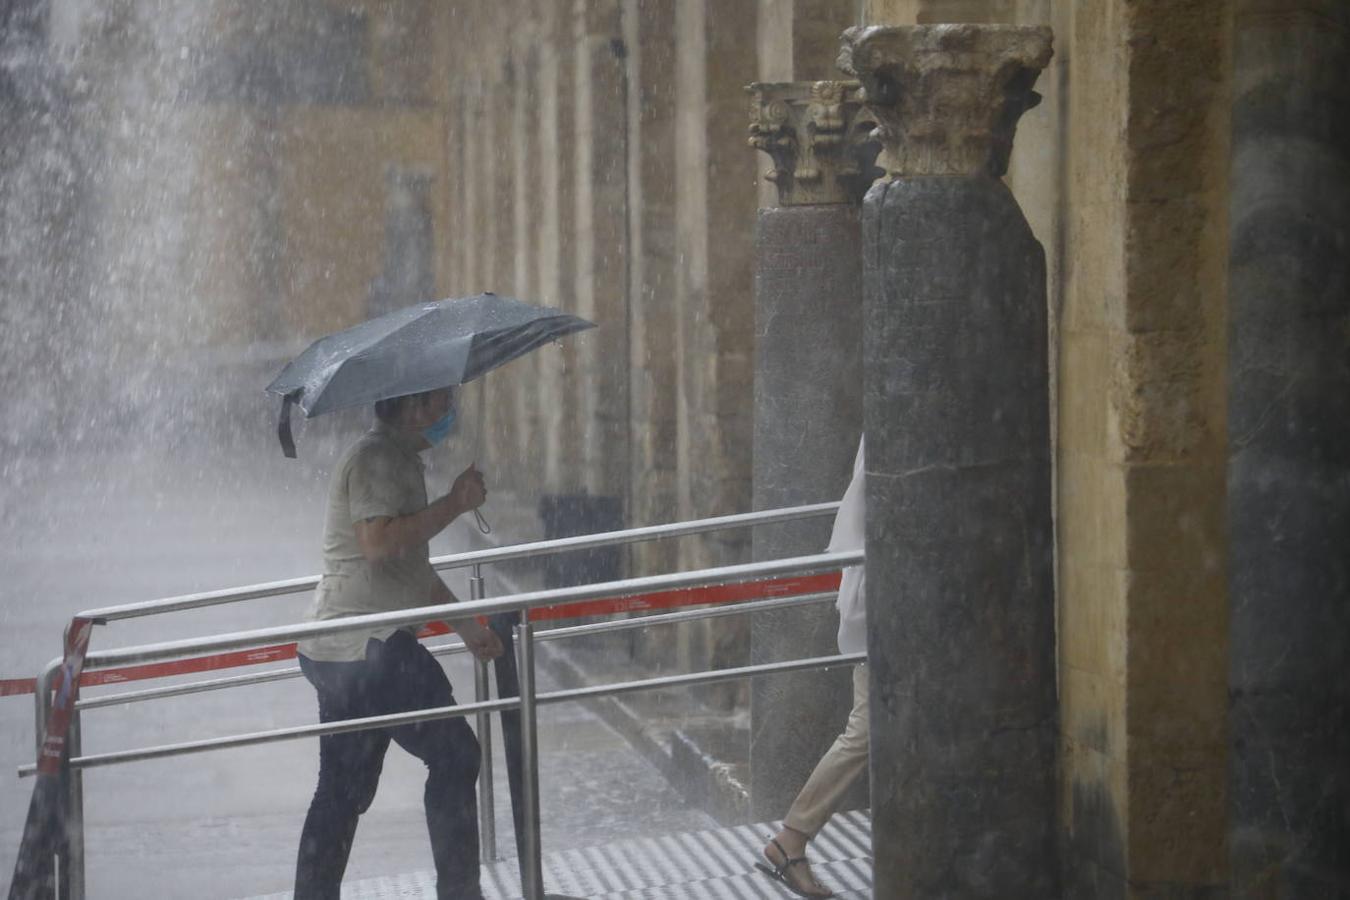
<point x="418" y="348"/>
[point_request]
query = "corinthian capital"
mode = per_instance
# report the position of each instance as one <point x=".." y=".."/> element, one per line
<point x="817" y="134"/>
<point x="947" y="97"/>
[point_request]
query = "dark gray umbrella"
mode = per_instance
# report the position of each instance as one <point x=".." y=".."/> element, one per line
<point x="418" y="348"/>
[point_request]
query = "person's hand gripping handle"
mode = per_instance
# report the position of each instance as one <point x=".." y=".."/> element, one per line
<point x="470" y="492"/>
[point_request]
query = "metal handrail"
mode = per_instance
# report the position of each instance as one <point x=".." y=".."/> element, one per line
<point x="799" y="565"/>
<point x="474" y="557"/>
<point x="184" y="748"/>
<point x="215" y="684"/>
<point x="477" y="606"/>
<point x="553" y="634"/>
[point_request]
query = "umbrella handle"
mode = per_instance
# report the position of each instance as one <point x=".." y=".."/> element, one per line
<point x="284" y="424"/>
<point x="483" y="525"/>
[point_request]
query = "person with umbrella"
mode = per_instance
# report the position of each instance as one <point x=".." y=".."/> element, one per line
<point x="376" y="558"/>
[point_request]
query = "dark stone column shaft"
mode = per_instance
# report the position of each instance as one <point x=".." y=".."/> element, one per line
<point x="1289" y="465"/>
<point x="808" y="418"/>
<point x="959" y="551"/>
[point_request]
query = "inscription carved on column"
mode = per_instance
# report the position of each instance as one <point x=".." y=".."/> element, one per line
<point x="818" y="135"/>
<point x="947" y="97"/>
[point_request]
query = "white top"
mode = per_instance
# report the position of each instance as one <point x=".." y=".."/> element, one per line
<point x="850" y="533"/>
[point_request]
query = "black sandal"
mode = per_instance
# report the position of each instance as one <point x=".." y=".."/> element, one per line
<point x="779" y="873"/>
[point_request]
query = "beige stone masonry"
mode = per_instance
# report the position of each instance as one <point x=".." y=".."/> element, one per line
<point x="812" y="132"/>
<point x="798" y="39"/>
<point x="930" y="12"/>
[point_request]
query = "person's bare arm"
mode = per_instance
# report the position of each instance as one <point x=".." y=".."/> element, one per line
<point x="482" y="642"/>
<point x="384" y="538"/>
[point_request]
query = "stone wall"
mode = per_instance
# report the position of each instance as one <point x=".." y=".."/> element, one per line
<point x="1123" y="174"/>
<point x="1161" y="320"/>
<point x="623" y="193"/>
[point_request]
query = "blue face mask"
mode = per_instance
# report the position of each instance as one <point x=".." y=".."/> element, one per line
<point x="437" y="431"/>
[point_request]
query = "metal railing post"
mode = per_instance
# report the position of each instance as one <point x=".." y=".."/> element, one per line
<point x="74" y="863"/>
<point x="42" y="703"/>
<point x="487" y="813"/>
<point x="70" y="866"/>
<point x="42" y="707"/>
<point x="532" y="865"/>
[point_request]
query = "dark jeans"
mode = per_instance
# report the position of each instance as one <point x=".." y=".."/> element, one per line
<point x="397" y="675"/>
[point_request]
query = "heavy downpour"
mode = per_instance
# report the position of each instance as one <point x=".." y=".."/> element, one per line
<point x="680" y="449"/>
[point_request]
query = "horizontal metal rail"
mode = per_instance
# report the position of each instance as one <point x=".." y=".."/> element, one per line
<point x="215" y="684"/>
<point x="696" y="678"/>
<point x="637" y="535"/>
<point x="461" y="560"/>
<point x="687" y="615"/>
<point x="801" y="565"/>
<point x="553" y="634"/>
<point x="282" y="734"/>
<point x="196" y="687"/>
<point x="446" y="712"/>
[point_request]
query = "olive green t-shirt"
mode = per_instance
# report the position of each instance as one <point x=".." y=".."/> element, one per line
<point x="380" y="476"/>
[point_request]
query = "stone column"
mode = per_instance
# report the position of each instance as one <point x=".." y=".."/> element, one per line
<point x="960" y="593"/>
<point x="1289" y="451"/>
<point x="800" y="38"/>
<point x="808" y="401"/>
<point x="600" y="226"/>
<point x="649" y="38"/>
<point x="715" y="190"/>
<point x="501" y="427"/>
<point x="552" y="263"/>
<point x="562" y="427"/>
<point x="713" y="290"/>
<point x="527" y="204"/>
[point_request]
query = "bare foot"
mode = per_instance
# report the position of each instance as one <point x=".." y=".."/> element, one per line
<point x="791" y="845"/>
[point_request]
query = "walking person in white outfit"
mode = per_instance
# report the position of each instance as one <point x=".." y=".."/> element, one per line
<point x="846" y="760"/>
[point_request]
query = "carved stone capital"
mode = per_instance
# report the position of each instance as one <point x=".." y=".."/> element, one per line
<point x="818" y="135"/>
<point x="947" y="97"/>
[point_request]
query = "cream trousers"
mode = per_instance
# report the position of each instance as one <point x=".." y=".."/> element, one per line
<point x="837" y="770"/>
